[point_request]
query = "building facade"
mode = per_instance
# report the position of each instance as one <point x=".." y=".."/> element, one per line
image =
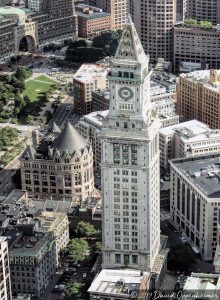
<point x="198" y="97"/>
<point x="88" y="78"/>
<point x="5" y="281"/>
<point x="43" y="22"/>
<point x="89" y="126"/>
<point x="130" y="156"/>
<point x="32" y="261"/>
<point x="154" y="21"/>
<point x="61" y="168"/>
<point x="194" y="201"/>
<point x="92" y="21"/>
<point x="187" y="139"/>
<point x="208" y="10"/>
<point x="196" y="45"/>
<point x="117" y="8"/>
<point x="57" y="224"/>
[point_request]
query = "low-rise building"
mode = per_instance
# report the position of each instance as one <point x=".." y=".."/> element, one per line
<point x="89" y="78"/>
<point x="92" y="21"/>
<point x="119" y="284"/>
<point x="89" y="127"/>
<point x="32" y="260"/>
<point x="58" y="224"/>
<point x="198" y="97"/>
<point x="60" y="167"/>
<point x="187" y="139"/>
<point x="195" y="201"/>
<point x="202" y="286"/>
<point x="5" y="281"/>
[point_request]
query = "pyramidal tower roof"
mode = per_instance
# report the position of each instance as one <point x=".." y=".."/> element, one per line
<point x="69" y="140"/>
<point x="130" y="47"/>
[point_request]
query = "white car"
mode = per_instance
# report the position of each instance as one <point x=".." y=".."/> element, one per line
<point x="68" y="108"/>
<point x="183" y="239"/>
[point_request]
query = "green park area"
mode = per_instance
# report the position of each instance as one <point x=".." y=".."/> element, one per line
<point x="22" y="97"/>
<point x="37" y="87"/>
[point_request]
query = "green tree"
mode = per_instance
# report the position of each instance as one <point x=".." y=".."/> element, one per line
<point x="85" y="229"/>
<point x="191" y="21"/>
<point x="76" y="251"/>
<point x="8" y="136"/>
<point x="76" y="290"/>
<point x="20" y="73"/>
<point x="98" y="247"/>
<point x="180" y="258"/>
<point x="30" y="120"/>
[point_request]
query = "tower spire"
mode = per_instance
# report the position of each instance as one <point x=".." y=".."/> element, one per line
<point x="130" y="47"/>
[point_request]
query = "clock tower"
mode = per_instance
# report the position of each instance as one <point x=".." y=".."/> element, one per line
<point x="130" y="161"/>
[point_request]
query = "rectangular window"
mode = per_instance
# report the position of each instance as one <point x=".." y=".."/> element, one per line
<point x="117" y="258"/>
<point x="134" y="259"/>
<point x="134" y="154"/>
<point x="116" y="153"/>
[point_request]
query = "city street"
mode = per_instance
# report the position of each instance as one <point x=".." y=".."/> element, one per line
<point x="62" y="114"/>
<point x="174" y="239"/>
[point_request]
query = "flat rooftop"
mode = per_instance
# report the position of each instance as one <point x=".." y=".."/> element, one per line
<point x="94" y="118"/>
<point x="189" y="130"/>
<point x="29" y="245"/>
<point x="202" y="77"/>
<point x="202" y="282"/>
<point x="117" y="282"/>
<point x="203" y="172"/>
<point x="89" y="72"/>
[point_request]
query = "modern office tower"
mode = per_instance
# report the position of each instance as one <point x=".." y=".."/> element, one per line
<point x="198" y="97"/>
<point x="187" y="139"/>
<point x="181" y="10"/>
<point x="60" y="168"/>
<point x="191" y="48"/>
<point x="130" y="161"/>
<point x="154" y="21"/>
<point x="208" y="10"/>
<point x="194" y="201"/>
<point x="5" y="282"/>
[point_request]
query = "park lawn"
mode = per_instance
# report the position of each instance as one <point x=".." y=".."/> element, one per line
<point x="44" y="78"/>
<point x="34" y="88"/>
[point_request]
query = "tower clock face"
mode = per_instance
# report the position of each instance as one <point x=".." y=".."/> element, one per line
<point x="125" y="93"/>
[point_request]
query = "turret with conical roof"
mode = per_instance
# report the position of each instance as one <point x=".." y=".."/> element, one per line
<point x="69" y="140"/>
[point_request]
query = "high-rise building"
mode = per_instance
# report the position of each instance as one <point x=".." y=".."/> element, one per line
<point x="198" y="97"/>
<point x="208" y="10"/>
<point x="117" y="8"/>
<point x="130" y="161"/>
<point x="191" y="47"/>
<point x="5" y="282"/>
<point x="154" y="21"/>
